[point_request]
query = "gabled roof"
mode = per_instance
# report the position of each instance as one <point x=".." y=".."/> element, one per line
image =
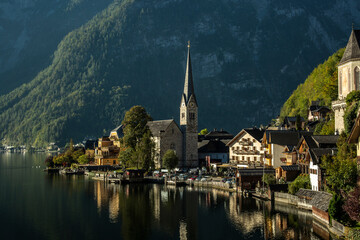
<point x="355" y="131"/>
<point x="305" y="193"/>
<point x="219" y="134"/>
<point x="156" y="127"/>
<point x="119" y="131"/>
<point x="256" y="133"/>
<point x="321" y="200"/>
<point x="352" y="51"/>
<point x="284" y="137"/>
<point x="317" y="153"/>
<point x="326" y="140"/>
<point x="212" y="146"/>
<point x="290" y="168"/>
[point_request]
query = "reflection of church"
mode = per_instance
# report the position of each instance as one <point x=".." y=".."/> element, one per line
<point x="348" y="77"/>
<point x="183" y="140"/>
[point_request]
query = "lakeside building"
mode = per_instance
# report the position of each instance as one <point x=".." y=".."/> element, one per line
<point x="309" y="152"/>
<point x="108" y="148"/>
<point x="354" y="137"/>
<point x="212" y="147"/>
<point x="348" y="78"/>
<point x="245" y="149"/>
<point x="166" y="133"/>
<point x="276" y="143"/>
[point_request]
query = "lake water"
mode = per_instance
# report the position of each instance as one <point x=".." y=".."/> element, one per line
<point x="34" y="205"/>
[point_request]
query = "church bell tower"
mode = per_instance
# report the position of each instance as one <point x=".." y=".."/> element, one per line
<point x="189" y="118"/>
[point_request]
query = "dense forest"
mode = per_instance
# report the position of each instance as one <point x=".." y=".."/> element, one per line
<point x="246" y="56"/>
<point x="321" y="85"/>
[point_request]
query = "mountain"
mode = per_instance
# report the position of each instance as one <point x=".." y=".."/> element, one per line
<point x="30" y="32"/>
<point x="321" y="84"/>
<point x="247" y="58"/>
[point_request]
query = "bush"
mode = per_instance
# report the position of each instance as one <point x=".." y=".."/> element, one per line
<point x="302" y="181"/>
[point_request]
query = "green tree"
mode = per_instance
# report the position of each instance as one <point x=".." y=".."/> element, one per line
<point x="269" y="178"/>
<point x="83" y="159"/>
<point x="302" y="181"/>
<point x="341" y="170"/>
<point x="298" y="124"/>
<point x="203" y="131"/>
<point x="135" y="121"/>
<point x="144" y="152"/>
<point x="125" y="157"/>
<point x="170" y="160"/>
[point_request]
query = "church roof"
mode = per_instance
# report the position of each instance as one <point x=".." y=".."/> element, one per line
<point x="157" y="127"/>
<point x="352" y="50"/>
<point x="189" y="84"/>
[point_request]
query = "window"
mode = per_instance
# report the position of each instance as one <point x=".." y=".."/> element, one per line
<point x="172" y="131"/>
<point x="254" y="148"/>
<point x="243" y="158"/>
<point x="172" y="146"/>
<point x="182" y="115"/>
<point x="357" y="78"/>
<point x="340" y="83"/>
<point x="192" y="116"/>
<point x="349" y="81"/>
<point x="255" y="158"/>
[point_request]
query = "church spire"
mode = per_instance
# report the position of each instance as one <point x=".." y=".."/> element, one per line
<point x="189" y="84"/>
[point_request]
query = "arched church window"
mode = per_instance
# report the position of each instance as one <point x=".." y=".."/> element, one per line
<point x="340" y="83"/>
<point x="357" y="78"/>
<point x="192" y="116"/>
<point x="349" y="81"/>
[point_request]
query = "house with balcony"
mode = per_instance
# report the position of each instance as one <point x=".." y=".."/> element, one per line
<point x="245" y="149"/>
<point x="277" y="142"/>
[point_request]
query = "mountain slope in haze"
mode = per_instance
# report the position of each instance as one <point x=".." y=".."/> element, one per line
<point x="30" y="32"/>
<point x="247" y="57"/>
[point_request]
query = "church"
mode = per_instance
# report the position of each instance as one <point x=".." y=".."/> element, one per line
<point x="183" y="139"/>
<point x="348" y="78"/>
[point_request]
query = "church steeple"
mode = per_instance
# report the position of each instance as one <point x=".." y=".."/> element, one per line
<point x="188" y="84"/>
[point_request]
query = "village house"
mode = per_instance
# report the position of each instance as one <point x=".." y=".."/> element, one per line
<point x="317" y="112"/>
<point x="166" y="135"/>
<point x="212" y="147"/>
<point x="108" y="148"/>
<point x="107" y="152"/>
<point x="348" y="77"/>
<point x="310" y="151"/>
<point x="354" y="137"/>
<point x="276" y="143"/>
<point x="246" y="150"/>
<point x="287" y="172"/>
<point x="290" y="123"/>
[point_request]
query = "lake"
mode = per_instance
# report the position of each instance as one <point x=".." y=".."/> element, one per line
<point x="35" y="205"/>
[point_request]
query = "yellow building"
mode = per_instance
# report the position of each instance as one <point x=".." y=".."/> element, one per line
<point x="107" y="151"/>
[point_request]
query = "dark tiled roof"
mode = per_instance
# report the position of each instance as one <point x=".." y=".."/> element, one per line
<point x="352" y="50"/>
<point x="317" y="153"/>
<point x="255" y="133"/>
<point x="189" y="84"/>
<point x="321" y="200"/>
<point x="285" y="137"/>
<point x="255" y="172"/>
<point x="156" y="127"/>
<point x="219" y="134"/>
<point x="305" y="193"/>
<point x="212" y="146"/>
<point x="326" y="140"/>
<point x="290" y="167"/>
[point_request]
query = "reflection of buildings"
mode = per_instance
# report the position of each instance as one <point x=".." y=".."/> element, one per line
<point x="107" y="195"/>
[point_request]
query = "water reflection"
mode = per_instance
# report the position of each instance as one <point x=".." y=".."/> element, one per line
<point x="52" y="206"/>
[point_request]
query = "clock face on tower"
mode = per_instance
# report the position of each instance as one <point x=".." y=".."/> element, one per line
<point x="191" y="104"/>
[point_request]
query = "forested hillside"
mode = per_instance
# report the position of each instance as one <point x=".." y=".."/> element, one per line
<point x="321" y="85"/>
<point x="246" y="56"/>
